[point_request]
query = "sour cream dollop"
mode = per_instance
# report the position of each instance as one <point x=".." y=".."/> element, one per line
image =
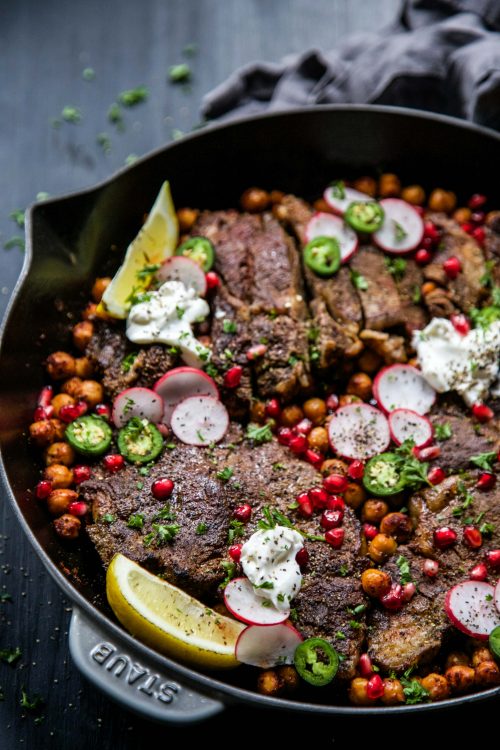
<point x="268" y="558"/>
<point x="166" y="317"/>
<point x="466" y="364"/>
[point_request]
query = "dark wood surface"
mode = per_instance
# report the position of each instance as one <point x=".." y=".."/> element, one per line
<point x="44" y="47"/>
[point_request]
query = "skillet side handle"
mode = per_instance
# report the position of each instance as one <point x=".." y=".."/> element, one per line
<point x="134" y="682"/>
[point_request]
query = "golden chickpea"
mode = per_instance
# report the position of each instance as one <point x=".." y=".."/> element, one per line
<point x="462" y="215"/>
<point x="398" y="525"/>
<point x="60" y="365"/>
<point x="436" y="685"/>
<point x="59" y="476"/>
<point x="334" y="466"/>
<point x="268" y="682"/>
<point x="374" y="510"/>
<point x="493" y="220"/>
<point x="276" y="196"/>
<point x="375" y="582"/>
<point x="46" y="431"/>
<point x="487" y="673"/>
<point x="82" y="333"/>
<point x="91" y="392"/>
<point x="62" y="399"/>
<point x="381" y="547"/>
<point x="389" y="186"/>
<point x="318" y="439"/>
<point x="59" y="501"/>
<point x="348" y="398"/>
<point x="414" y="194"/>
<point x="369" y="362"/>
<point x="89" y="312"/>
<point x="187" y="218"/>
<point x="99" y="287"/>
<point x="60" y="453"/>
<point x="357" y="692"/>
<point x="83" y="367"/>
<point x="393" y="692"/>
<point x="442" y="200"/>
<point x="68" y="526"/>
<point x="289" y="678"/>
<point x="457" y="658"/>
<point x="360" y="384"/>
<point x="255" y="200"/>
<point x="321" y="205"/>
<point x="428" y="287"/>
<point x="481" y="654"/>
<point x="71" y="387"/>
<point x="354" y="495"/>
<point x="315" y="410"/>
<point x="291" y="415"/>
<point x="366" y="185"/>
<point x="258" y="412"/>
<point x="460" y="678"/>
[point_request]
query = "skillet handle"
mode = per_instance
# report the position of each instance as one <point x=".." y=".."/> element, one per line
<point x="136" y="684"/>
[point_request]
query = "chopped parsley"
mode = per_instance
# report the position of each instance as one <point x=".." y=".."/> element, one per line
<point x="10" y="655"/>
<point x="265" y="585"/>
<point x="485" y="316"/>
<point x="115" y="116"/>
<point x="180" y="311"/>
<point x="487" y="528"/>
<point x="443" y="431"/>
<point x="467" y="501"/>
<point x="15" y="241"/>
<point x="147" y="271"/>
<point x="417" y="294"/>
<point x="359" y="280"/>
<point x="104" y="141"/>
<point x="230" y="568"/>
<point x="165" y="514"/>
<point x="272" y="518"/>
<point x="338" y="189"/>
<point x="136" y="521"/>
<point x="161" y="534"/>
<point x="71" y="114"/>
<point x="400" y="232"/>
<point x="236" y="530"/>
<point x="128" y="361"/>
<point x="225" y="474"/>
<point x="108" y="518"/>
<point x="131" y="97"/>
<point x="31" y="704"/>
<point x="293" y="360"/>
<point x="201" y="529"/>
<point x="313" y="334"/>
<point x="487" y="278"/>
<point x="278" y="466"/>
<point x="314" y="353"/>
<point x="88" y="74"/>
<point x="484" y="460"/>
<point x="131" y="159"/>
<point x="229" y="326"/>
<point x="17" y="215"/>
<point x="190" y="49"/>
<point x="355" y="624"/>
<point x="413" y="690"/>
<point x="340" y="635"/>
<point x="5" y="597"/>
<point x="180" y="73"/>
<point x="259" y="434"/>
<point x="404" y="570"/>
<point x="412" y="471"/>
<point x="396" y="267"/>
<point x="344" y="570"/>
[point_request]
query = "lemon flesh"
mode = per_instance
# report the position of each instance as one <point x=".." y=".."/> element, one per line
<point x="156" y="241"/>
<point x="169" y="620"/>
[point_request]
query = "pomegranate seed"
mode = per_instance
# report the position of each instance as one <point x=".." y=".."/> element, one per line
<point x="164" y="429"/>
<point x="234" y="552"/>
<point x="212" y="280"/>
<point x="467" y="227"/>
<point x="298" y="444"/>
<point x="113" y="462"/>
<point x="302" y="557"/>
<point x="375" y="687"/>
<point x="427" y="243"/>
<point x="45" y="396"/>
<point x="318" y="496"/>
<point x="303" y="427"/>
<point x="370" y="531"/>
<point x="430" y="568"/>
<point x="71" y="412"/>
<point x="78" y="508"/>
<point x="365" y="666"/>
<point x="305" y="509"/>
<point x="479" y="235"/>
<point x="476" y="201"/>
<point x="436" y="475"/>
<point x="482" y="412"/>
<point x="479" y="572"/>
<point x="315" y="459"/>
<point x="162" y="488"/>
<point x="356" y="470"/>
<point x="409" y="591"/>
<point x="284" y="435"/>
<point x="423" y="256"/>
<point x="478" y="217"/>
<point x="331" y="519"/>
<point x="452" y="267"/>
<point x="393" y="600"/>
<point x="81" y="473"/>
<point x="426" y="454"/>
<point x="444" y="537"/>
<point x="486" y="481"/>
<point x="243" y="513"/>
<point x="302" y="498"/>
<point x="273" y="408"/>
<point x="493" y="558"/>
<point x="255" y="352"/>
<point x="332" y="402"/>
<point x="103" y="410"/>
<point x="43" y="412"/>
<point x="232" y="378"/>
<point x="43" y="489"/>
<point x="335" y="538"/>
<point x="335" y="502"/>
<point x="460" y="323"/>
<point x="473" y="537"/>
<point x="431" y="231"/>
<point x="334" y="483"/>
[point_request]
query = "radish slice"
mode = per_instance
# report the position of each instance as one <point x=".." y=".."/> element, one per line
<point x="359" y="431"/>
<point x="403" y="387"/>
<point x="267" y="647"/>
<point x="327" y="225"/>
<point x="200" y="420"/>
<point x="471" y="608"/>
<point x="339" y="205"/>
<point x="137" y="402"/>
<point x="242" y="601"/>
<point x="403" y="227"/>
<point x="181" y="383"/>
<point x="179" y="268"/>
<point x="406" y="424"/>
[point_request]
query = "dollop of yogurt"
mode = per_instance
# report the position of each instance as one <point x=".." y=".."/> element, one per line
<point x="268" y="561"/>
<point x="166" y="317"/>
<point x="466" y="364"/>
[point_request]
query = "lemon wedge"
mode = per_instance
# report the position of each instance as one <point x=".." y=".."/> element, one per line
<point x="156" y="241"/>
<point x="169" y="620"/>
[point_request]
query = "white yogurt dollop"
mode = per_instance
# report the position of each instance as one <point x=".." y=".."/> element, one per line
<point x="466" y="364"/>
<point x="268" y="558"/>
<point x="166" y="316"/>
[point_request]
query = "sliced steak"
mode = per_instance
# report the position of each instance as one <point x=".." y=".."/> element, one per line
<point x="382" y="306"/>
<point x="408" y="286"/>
<point x="492" y="250"/>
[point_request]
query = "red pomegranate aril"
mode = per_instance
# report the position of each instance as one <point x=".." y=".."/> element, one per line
<point x="460" y="323"/>
<point x="479" y="572"/>
<point x="305" y="509"/>
<point x="212" y="280"/>
<point x="232" y="378"/>
<point x="256" y="352"/>
<point x="444" y="537"/>
<point x="331" y="519"/>
<point x="476" y="201"/>
<point x="313" y="458"/>
<point x="113" y="462"/>
<point x="452" y="267"/>
<point x="162" y="488"/>
<point x="431" y="231"/>
<point x="370" y="531"/>
<point x="302" y="557"/>
<point x="243" y="513"/>
<point x="43" y="489"/>
<point x="298" y="444"/>
<point x="335" y="483"/>
<point x="436" y="475"/>
<point x="70" y="412"/>
<point x="479" y="235"/>
<point x="318" y="496"/>
<point x="302" y="498"/>
<point x="103" y="410"/>
<point x="375" y="687"/>
<point x="427" y="454"/>
<point x="409" y="591"/>
<point x="332" y="402"/>
<point x="356" y="470"/>
<point x="273" y="408"/>
<point x="81" y="473"/>
<point x="43" y="412"/>
<point x="423" y="256"/>
<point x="486" y="481"/>
<point x="393" y="600"/>
<point x="365" y="666"/>
<point x="78" y="508"/>
<point x="430" y="568"/>
<point x="45" y="396"/>
<point x="284" y="435"/>
<point x="473" y="537"/>
<point x="303" y="427"/>
<point x="467" y="227"/>
<point x="335" y="502"/>
<point x="335" y="538"/>
<point x="478" y="217"/>
<point x="482" y="412"/>
<point x="493" y="558"/>
<point x="234" y="552"/>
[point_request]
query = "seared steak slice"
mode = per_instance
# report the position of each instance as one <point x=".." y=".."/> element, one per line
<point x="408" y="286"/>
<point x="327" y="337"/>
<point x="382" y="307"/>
<point x="492" y="250"/>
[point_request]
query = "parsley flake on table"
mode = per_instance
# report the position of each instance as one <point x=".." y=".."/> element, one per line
<point x="180" y="73"/>
<point x="88" y="74"/>
<point x="15" y="241"/>
<point x="10" y="655"/>
<point x="131" y="97"/>
<point x="71" y="114"/>
<point x="30" y="704"/>
<point x="104" y="141"/>
<point x="17" y="215"/>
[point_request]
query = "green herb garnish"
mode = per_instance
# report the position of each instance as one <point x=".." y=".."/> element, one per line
<point x="358" y="280"/>
<point x="229" y="326"/>
<point x="225" y="474"/>
<point x="236" y="530"/>
<point x="443" y="431"/>
<point x="396" y="267"/>
<point x="71" y="114"/>
<point x="10" y="655"/>
<point x="108" y="518"/>
<point x="259" y="434"/>
<point x="128" y="361"/>
<point x="484" y="460"/>
<point x="201" y="529"/>
<point x="180" y="73"/>
<point x="404" y="570"/>
<point x="136" y="521"/>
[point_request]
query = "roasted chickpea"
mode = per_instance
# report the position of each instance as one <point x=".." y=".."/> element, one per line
<point x="268" y="682"/>
<point x="360" y="384"/>
<point x="46" y="431"/>
<point x="321" y="205"/>
<point x="291" y="415"/>
<point x="381" y="547"/>
<point x="59" y="476"/>
<point x="460" y="678"/>
<point x="60" y="453"/>
<point x="414" y="194"/>
<point x="60" y="400"/>
<point x="374" y="510"/>
<point x="393" y="692"/>
<point x="99" y="287"/>
<point x="83" y="367"/>
<point x="457" y="658"/>
<point x="357" y="692"/>
<point x="315" y="410"/>
<point x="68" y="526"/>
<point x="289" y="678"/>
<point x="334" y="466"/>
<point x="389" y="186"/>
<point x="481" y="654"/>
<point x="462" y="215"/>
<point x="348" y="398"/>
<point x="318" y="439"/>
<point x="369" y="362"/>
<point x="258" y="412"/>
<point x="428" y="287"/>
<point x="354" y="495"/>
<point x="71" y="387"/>
<point x="59" y="501"/>
<point x="255" y="200"/>
<point x="91" y="392"/>
<point x="442" y="200"/>
<point x="60" y="365"/>
<point x="89" y="312"/>
<point x="276" y="196"/>
<point x="187" y="218"/>
<point x="280" y="212"/>
<point x="82" y="333"/>
<point x="366" y="185"/>
<point x="375" y="582"/>
<point x="436" y="685"/>
<point x="493" y="221"/>
<point x="487" y="673"/>
<point x="398" y="525"/>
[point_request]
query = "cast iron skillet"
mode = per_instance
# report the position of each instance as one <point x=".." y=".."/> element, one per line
<point x="72" y="239"/>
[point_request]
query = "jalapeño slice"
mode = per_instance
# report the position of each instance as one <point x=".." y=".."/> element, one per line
<point x="322" y="255"/>
<point x="494" y="641"/>
<point x="89" y="435"/>
<point x="382" y="475"/>
<point x="200" y="250"/>
<point x="139" y="441"/>
<point x="364" y="216"/>
<point x="316" y="661"/>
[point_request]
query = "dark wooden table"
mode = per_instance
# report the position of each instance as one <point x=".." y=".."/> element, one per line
<point x="44" y="48"/>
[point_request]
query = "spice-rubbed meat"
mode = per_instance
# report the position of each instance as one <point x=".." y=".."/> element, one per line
<point x="381" y="303"/>
<point x="468" y="437"/>
<point x="408" y="285"/>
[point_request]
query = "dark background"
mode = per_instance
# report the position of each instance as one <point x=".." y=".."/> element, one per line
<point x="44" y="47"/>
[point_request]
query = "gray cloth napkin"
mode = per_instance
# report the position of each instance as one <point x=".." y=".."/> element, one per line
<point x="439" y="55"/>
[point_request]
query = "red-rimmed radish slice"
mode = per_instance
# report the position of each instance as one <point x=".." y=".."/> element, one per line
<point x="242" y="601"/>
<point x="200" y="420"/>
<point x="403" y="387"/>
<point x="267" y="647"/>
<point x="181" y="383"/>
<point x="137" y="402"/>
<point x="359" y="431"/>
<point x="327" y="225"/>
<point x="470" y="605"/>
<point x="403" y="227"/>
<point x="339" y="205"/>
<point x="179" y="268"/>
<point x="406" y="424"/>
